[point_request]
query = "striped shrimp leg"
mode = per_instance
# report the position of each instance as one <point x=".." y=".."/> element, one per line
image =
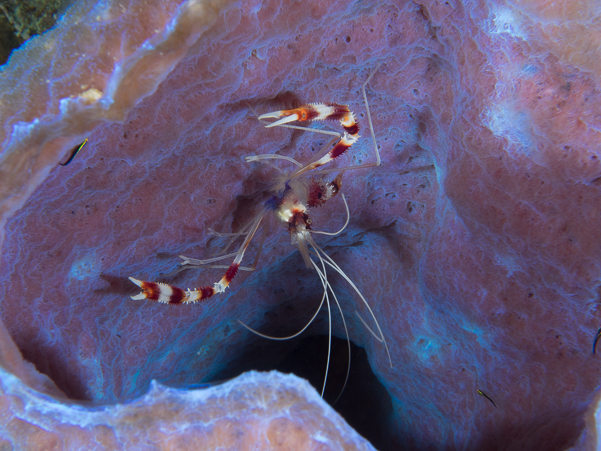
<point x="321" y="112"/>
<point x="168" y="294"/>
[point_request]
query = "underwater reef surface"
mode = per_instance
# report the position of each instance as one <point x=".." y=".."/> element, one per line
<point x="475" y="242"/>
<point x="255" y="411"/>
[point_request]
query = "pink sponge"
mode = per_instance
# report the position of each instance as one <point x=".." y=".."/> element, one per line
<point x="253" y="411"/>
<point x="475" y="243"/>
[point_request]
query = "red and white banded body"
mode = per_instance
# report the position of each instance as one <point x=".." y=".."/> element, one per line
<point x="291" y="205"/>
<point x="294" y="196"/>
<point x="322" y="112"/>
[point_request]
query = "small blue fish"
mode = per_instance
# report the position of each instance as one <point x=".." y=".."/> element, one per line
<point x="480" y="392"/>
<point x="596" y="340"/>
<point x="74" y="152"/>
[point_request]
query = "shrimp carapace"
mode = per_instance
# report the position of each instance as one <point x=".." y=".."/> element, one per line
<point x="295" y="193"/>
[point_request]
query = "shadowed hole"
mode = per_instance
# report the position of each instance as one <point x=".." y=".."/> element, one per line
<point x="365" y="404"/>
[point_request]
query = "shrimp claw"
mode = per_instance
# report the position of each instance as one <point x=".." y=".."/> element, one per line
<point x="321" y="112"/>
<point x="168" y="294"/>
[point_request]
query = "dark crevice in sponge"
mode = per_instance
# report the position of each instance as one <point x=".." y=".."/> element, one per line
<point x="365" y="404"/>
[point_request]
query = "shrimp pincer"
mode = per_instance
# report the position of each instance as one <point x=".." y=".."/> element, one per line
<point x="294" y="195"/>
<point x="168" y="294"/>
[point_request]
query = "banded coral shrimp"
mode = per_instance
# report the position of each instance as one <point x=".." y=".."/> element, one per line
<point x="295" y="193"/>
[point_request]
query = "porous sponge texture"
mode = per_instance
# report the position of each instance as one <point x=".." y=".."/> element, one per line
<point x="475" y="242"/>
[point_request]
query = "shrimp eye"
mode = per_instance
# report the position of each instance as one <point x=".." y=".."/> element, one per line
<point x="309" y="221"/>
